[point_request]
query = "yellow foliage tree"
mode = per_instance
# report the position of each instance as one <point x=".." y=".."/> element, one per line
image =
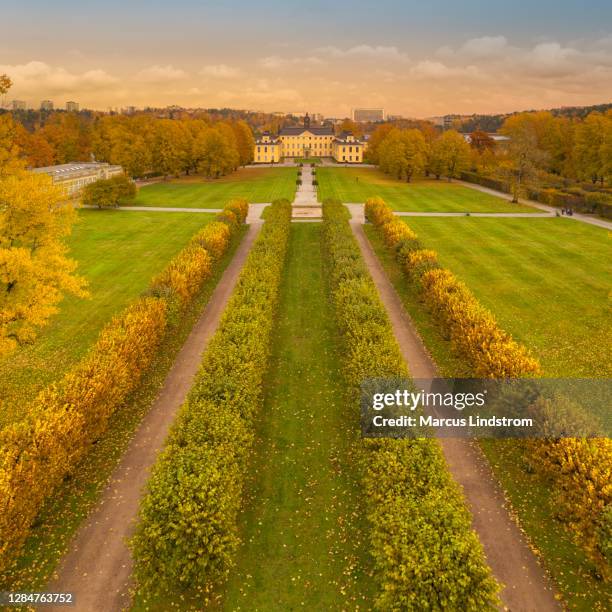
<point x="34" y="269"/>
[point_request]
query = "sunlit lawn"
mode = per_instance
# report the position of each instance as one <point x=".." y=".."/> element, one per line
<point x="358" y="184"/>
<point x="547" y="281"/>
<point x="254" y="184"/>
<point x="118" y="253"/>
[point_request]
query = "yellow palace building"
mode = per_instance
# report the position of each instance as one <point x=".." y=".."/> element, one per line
<point x="308" y="141"/>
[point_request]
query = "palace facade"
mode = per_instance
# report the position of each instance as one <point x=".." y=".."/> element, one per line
<point x="308" y="141"/>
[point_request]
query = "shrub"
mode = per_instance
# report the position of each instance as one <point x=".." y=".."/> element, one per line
<point x="472" y="329"/>
<point x="229" y="218"/>
<point x="298" y="182"/>
<point x="418" y="262"/>
<point x="425" y="552"/>
<point x="600" y="203"/>
<point x="67" y="417"/>
<point x="188" y="530"/>
<point x="184" y="275"/>
<point x="214" y="237"/>
<point x="240" y="208"/>
<point x="125" y="188"/>
<point x="106" y="193"/>
<point x="581" y="472"/>
<point x="395" y="231"/>
<point x="377" y="211"/>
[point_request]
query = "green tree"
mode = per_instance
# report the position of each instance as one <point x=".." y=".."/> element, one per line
<point x="101" y="193"/>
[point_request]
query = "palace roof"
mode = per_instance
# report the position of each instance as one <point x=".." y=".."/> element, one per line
<point x="316" y="130"/>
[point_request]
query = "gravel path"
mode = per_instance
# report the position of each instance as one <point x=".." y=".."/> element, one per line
<point x="527" y="588"/>
<point x="98" y="565"/>
<point x="161" y="209"/>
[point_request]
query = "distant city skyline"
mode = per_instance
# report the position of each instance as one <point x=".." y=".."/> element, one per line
<point x="410" y="59"/>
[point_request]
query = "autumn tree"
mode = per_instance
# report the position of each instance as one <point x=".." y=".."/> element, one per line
<point x="5" y="84"/>
<point x="481" y="141"/>
<point x="522" y="162"/>
<point x="454" y="153"/>
<point x="348" y="125"/>
<point x="435" y="159"/>
<point x="34" y="147"/>
<point x="592" y="148"/>
<point x="167" y="155"/>
<point x="215" y="153"/>
<point x="245" y="142"/>
<point x="10" y="161"/>
<point x="35" y="271"/>
<point x="377" y="137"/>
<point x="403" y="153"/>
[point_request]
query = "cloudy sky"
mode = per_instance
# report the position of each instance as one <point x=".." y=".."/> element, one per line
<point x="411" y="57"/>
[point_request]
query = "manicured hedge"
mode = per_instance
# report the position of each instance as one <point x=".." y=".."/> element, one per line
<point x="426" y="555"/>
<point x="67" y="417"/>
<point x="187" y="533"/>
<point x="579" y="198"/>
<point x="580" y="470"/>
<point x="472" y="329"/>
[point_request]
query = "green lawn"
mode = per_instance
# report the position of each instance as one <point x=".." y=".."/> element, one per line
<point x="546" y="280"/>
<point x="118" y="253"/>
<point x="303" y="533"/>
<point x="254" y="184"/>
<point x="358" y="184"/>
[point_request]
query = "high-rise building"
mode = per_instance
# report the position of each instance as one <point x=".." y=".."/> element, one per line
<point x="46" y="105"/>
<point x="18" y="105"/>
<point x="72" y="107"/>
<point x="368" y="114"/>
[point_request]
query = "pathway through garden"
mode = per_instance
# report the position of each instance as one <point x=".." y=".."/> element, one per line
<point x="303" y="528"/>
<point x="527" y="588"/>
<point x="98" y="566"/>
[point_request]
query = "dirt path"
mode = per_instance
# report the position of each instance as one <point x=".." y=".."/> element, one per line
<point x="527" y="587"/>
<point x="98" y="565"/>
<point x="159" y="209"/>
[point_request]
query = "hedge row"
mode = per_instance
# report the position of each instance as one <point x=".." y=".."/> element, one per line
<point x="472" y="329"/>
<point x="581" y="472"/>
<point x="427" y="557"/>
<point x="187" y="533"/>
<point x="581" y="199"/>
<point x="580" y="469"/>
<point x="37" y="453"/>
